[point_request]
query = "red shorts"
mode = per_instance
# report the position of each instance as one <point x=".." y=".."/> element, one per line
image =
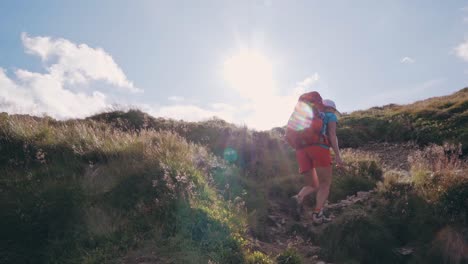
<point x="312" y="157"/>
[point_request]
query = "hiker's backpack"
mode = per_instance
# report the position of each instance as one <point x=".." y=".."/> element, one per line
<point x="305" y="124"/>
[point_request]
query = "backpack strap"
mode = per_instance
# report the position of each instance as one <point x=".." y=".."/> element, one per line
<point x="323" y="134"/>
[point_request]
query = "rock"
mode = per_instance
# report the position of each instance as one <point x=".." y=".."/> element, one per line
<point x="314" y="251"/>
<point x="404" y="251"/>
<point x="346" y="202"/>
<point x="362" y="194"/>
<point x="299" y="239"/>
<point x="271" y="220"/>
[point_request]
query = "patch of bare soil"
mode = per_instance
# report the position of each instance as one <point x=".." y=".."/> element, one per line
<point x="393" y="156"/>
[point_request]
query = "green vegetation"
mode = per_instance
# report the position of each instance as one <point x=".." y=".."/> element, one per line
<point x="90" y="191"/>
<point x="124" y="184"/>
<point x="289" y="256"/>
<point x="435" y="120"/>
<point x="362" y="174"/>
<point x="258" y="258"/>
<point x="83" y="192"/>
<point x="427" y="214"/>
<point x="357" y="236"/>
<point x="265" y="164"/>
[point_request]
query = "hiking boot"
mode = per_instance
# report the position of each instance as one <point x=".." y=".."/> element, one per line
<point x="319" y="218"/>
<point x="296" y="208"/>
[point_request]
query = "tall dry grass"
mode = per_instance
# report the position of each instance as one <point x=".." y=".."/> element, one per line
<point x="436" y="168"/>
<point x="120" y="185"/>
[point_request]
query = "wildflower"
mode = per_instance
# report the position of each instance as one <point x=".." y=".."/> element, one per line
<point x="40" y="156"/>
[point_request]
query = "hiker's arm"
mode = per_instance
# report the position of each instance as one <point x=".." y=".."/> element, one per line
<point x="334" y="142"/>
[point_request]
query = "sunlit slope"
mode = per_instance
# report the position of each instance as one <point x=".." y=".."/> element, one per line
<point x="84" y="192"/>
<point x="433" y="120"/>
<point x="109" y="186"/>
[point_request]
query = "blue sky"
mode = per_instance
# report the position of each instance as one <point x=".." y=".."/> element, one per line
<point x="244" y="61"/>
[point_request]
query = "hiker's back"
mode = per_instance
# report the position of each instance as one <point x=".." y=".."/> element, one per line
<point x="306" y="122"/>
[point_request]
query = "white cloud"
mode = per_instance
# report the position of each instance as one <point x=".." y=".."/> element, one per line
<point x="56" y="93"/>
<point x="261" y="112"/>
<point x="309" y="80"/>
<point x="50" y="93"/>
<point x="407" y="60"/>
<point x="76" y="64"/>
<point x="51" y="97"/>
<point x="13" y="98"/>
<point x="462" y="50"/>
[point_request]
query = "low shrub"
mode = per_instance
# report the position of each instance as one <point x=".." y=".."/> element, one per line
<point x="361" y="174"/>
<point x="289" y="256"/>
<point x="450" y="245"/>
<point x="453" y="203"/>
<point x="437" y="168"/>
<point x="357" y="236"/>
<point x="408" y="216"/>
<point x="257" y="257"/>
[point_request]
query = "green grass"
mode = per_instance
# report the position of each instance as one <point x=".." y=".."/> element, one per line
<point x="98" y="189"/>
<point x="121" y="181"/>
<point x="357" y="236"/>
<point x="361" y="174"/>
<point x="84" y="192"/>
<point x="435" y="120"/>
<point x="289" y="256"/>
<point x="427" y="208"/>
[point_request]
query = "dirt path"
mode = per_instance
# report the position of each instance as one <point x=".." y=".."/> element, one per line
<point x="286" y="232"/>
<point x="301" y="235"/>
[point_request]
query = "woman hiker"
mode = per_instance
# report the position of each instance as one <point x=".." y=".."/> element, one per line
<point x="315" y="164"/>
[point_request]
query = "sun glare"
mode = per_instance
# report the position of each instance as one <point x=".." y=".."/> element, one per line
<point x="250" y="73"/>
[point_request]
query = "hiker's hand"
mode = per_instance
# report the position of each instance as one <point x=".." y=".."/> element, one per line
<point x="339" y="162"/>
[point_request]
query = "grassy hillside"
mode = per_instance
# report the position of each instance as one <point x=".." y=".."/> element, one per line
<point x="99" y="190"/>
<point x="265" y="163"/>
<point x="435" y="120"/>
<point x="83" y="192"/>
<point x="117" y="185"/>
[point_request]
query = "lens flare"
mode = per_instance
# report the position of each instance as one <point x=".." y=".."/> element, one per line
<point x="230" y="154"/>
<point x="302" y="117"/>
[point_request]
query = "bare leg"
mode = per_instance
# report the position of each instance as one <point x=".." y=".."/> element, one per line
<point x="311" y="185"/>
<point x="324" y="175"/>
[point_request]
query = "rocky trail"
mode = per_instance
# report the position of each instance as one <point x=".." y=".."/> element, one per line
<point x="285" y="231"/>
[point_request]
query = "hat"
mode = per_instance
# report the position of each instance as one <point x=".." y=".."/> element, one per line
<point x="330" y="103"/>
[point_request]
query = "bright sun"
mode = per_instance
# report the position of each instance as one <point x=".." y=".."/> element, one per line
<point x="250" y="73"/>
